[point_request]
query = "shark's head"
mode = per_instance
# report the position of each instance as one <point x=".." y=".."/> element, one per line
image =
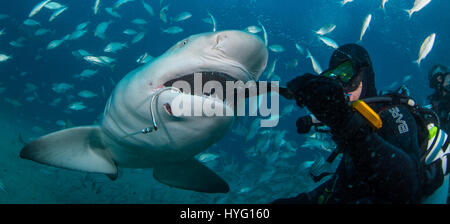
<point x="229" y="55"/>
<point x="221" y="56"/>
<point x="240" y="55"/>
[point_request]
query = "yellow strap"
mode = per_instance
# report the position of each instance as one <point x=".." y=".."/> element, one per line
<point x="371" y="116"/>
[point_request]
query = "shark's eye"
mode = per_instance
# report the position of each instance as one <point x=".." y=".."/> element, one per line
<point x="183" y="43"/>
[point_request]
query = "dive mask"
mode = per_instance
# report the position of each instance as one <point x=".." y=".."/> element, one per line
<point x="344" y="73"/>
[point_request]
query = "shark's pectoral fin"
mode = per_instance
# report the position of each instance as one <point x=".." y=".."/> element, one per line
<point x="191" y="175"/>
<point x="78" y="148"/>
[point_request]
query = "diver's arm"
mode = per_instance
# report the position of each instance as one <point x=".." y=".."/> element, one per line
<point x="382" y="164"/>
<point x="392" y="171"/>
<point x="263" y="87"/>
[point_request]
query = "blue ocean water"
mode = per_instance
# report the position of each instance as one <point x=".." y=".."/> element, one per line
<point x="393" y="41"/>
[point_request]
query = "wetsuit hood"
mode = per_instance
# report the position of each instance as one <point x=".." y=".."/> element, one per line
<point x="362" y="65"/>
<point x="435" y="72"/>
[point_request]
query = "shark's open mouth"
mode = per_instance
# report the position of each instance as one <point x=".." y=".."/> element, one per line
<point x="207" y="87"/>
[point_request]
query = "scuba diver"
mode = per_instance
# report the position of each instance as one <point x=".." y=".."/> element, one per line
<point x="385" y="140"/>
<point x="439" y="78"/>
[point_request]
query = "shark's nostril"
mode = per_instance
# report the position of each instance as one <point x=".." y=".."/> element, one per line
<point x="168" y="109"/>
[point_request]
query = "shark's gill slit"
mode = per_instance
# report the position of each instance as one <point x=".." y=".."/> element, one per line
<point x="154" y="126"/>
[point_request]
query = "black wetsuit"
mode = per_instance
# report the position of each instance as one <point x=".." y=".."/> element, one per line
<point x="376" y="167"/>
<point x="381" y="168"/>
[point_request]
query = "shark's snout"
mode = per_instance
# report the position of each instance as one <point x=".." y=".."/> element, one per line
<point x="245" y="48"/>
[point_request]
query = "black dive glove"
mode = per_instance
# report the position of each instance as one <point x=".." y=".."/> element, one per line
<point x="324" y="97"/>
<point x="304" y="124"/>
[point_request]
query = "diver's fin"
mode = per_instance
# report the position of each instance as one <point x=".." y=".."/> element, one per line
<point x="78" y="148"/>
<point x="191" y="175"/>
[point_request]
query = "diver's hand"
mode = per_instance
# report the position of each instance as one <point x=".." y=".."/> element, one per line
<point x="324" y="97"/>
<point x="304" y="124"/>
<point x="295" y="88"/>
<point x="286" y="93"/>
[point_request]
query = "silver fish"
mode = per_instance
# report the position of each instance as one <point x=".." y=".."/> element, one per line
<point x="148" y="8"/>
<point x="144" y="59"/>
<point x="139" y="22"/>
<point x="365" y="26"/>
<point x="38" y="8"/>
<point x="86" y="74"/>
<point x="81" y="26"/>
<point x="41" y="32"/>
<point x="182" y="16"/>
<point x="114" y="47"/>
<point x="77" y="34"/>
<point x="113" y="13"/>
<point x="343" y="2"/>
<point x="77" y="106"/>
<point x="54" y="44"/>
<point x="16" y="43"/>
<point x="121" y="2"/>
<point x="316" y="66"/>
<point x="173" y="30"/>
<point x="213" y="20"/>
<point x="100" y="60"/>
<point x="329" y="42"/>
<point x="101" y="29"/>
<point x="426" y="48"/>
<point x="253" y="29"/>
<point x="87" y="94"/>
<point x="418" y="5"/>
<point x="138" y="37"/>
<point x="266" y="38"/>
<point x="271" y="70"/>
<point x="383" y="4"/>
<point x="299" y="49"/>
<point x="96" y="6"/>
<point x="130" y="32"/>
<point x="326" y="29"/>
<point x="207" y="157"/>
<point x="276" y="48"/>
<point x="4" y="57"/>
<point x="53" y="5"/>
<point x="57" y="13"/>
<point x="61" y="87"/>
<point x="31" y="22"/>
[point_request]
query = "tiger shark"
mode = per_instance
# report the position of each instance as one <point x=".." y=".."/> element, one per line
<point x="119" y="142"/>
